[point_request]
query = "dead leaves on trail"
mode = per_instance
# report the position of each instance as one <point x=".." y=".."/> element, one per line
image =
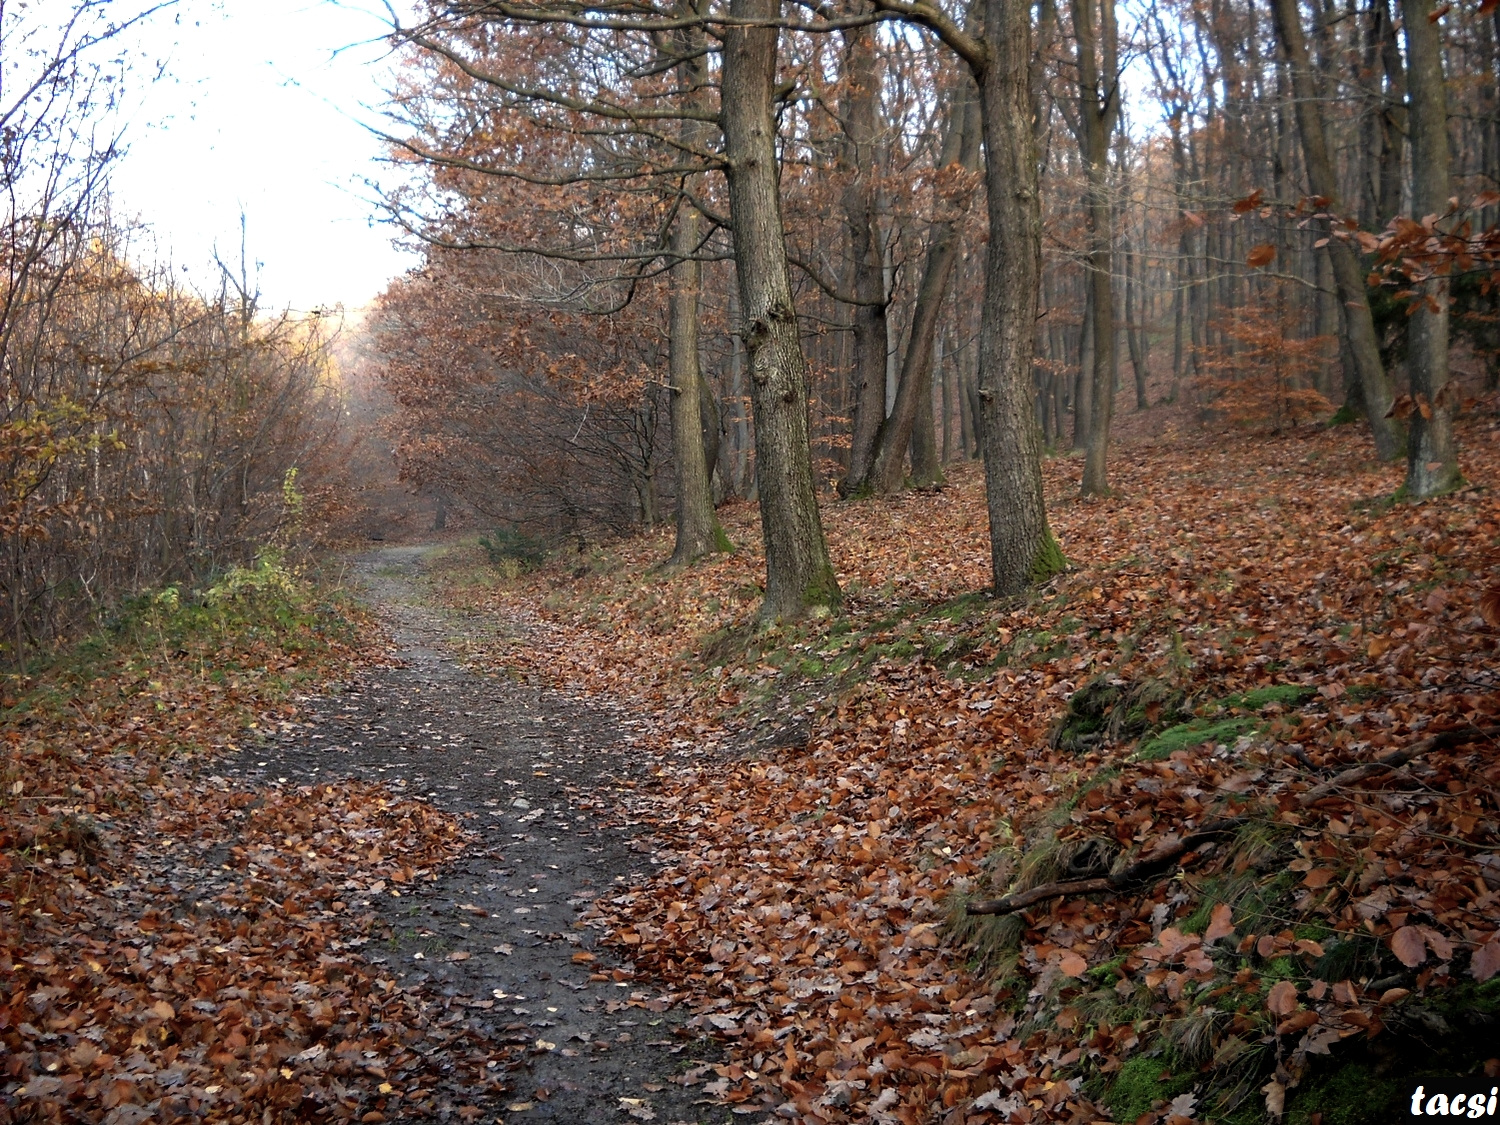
<point x="804" y="895"/>
<point x="175" y="948"/>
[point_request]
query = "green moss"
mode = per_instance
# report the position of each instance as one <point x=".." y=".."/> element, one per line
<point x="1049" y="560"/>
<point x="1194" y="733"/>
<point x="1288" y="695"/>
<point x="1110" y="971"/>
<point x="721" y="539"/>
<point x="1352" y="1094"/>
<point x="1345" y="415"/>
<point x="1143" y="1082"/>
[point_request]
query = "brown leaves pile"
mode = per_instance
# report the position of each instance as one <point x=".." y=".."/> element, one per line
<point x="176" y="948"/>
<point x="801" y="897"/>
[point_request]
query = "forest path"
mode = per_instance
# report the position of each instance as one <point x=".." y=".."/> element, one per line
<point x="535" y="773"/>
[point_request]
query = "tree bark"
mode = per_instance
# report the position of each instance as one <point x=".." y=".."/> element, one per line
<point x="1359" y="325"/>
<point x="1135" y="332"/>
<point x="1022" y="549"/>
<point x="961" y="147"/>
<point x="1432" y="459"/>
<point x="861" y="215"/>
<point x="1098" y="107"/>
<point x="799" y="575"/>
<point x="698" y="531"/>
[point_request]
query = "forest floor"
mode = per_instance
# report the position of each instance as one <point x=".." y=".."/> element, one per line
<point x="1244" y="622"/>
<point x="586" y="844"/>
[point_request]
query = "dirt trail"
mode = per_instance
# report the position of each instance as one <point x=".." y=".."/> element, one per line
<point x="537" y="775"/>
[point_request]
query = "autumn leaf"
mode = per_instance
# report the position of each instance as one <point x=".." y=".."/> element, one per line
<point x="1486" y="960"/>
<point x="1072" y="965"/>
<point x="1282" y="999"/>
<point x="1220" y="923"/>
<point x="1489" y="606"/>
<point x="1261" y="255"/>
<point x="1409" y="946"/>
<point x="1298" y="1021"/>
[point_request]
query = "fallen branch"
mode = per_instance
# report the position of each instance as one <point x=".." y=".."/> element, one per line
<point x="1168" y="854"/>
<point x="1395" y="760"/>
<point x="1164" y="856"/>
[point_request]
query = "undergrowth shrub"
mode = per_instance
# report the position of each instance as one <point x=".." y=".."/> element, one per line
<point x="513" y="551"/>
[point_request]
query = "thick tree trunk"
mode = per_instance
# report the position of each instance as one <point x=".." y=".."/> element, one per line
<point x="961" y="147"/>
<point x="799" y="575"/>
<point x="861" y="215"/>
<point x="1022" y="549"/>
<point x="1432" y="459"/>
<point x="1359" y="325"/>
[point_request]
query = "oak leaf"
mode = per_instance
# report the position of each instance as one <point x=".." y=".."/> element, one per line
<point x="1220" y="924"/>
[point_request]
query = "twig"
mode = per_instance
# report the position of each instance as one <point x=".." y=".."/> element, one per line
<point x="1395" y="760"/>
<point x="1165" y="855"/>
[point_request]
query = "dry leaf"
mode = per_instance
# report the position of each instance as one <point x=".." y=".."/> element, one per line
<point x="1262" y="255"/>
<point x="1486" y="960"/>
<point x="1072" y="965"/>
<point x="1282" y="999"/>
<point x="1408" y="946"/>
<point x="1220" y="923"/>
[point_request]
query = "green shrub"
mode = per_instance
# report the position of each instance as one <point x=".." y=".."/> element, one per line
<point x="513" y="550"/>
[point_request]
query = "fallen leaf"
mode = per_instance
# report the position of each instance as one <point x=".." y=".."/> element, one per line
<point x="1486" y="960"/>
<point x="1282" y="999"/>
<point x="1408" y="946"/>
<point x="1220" y="923"/>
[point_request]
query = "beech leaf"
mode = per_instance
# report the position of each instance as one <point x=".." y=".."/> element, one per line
<point x="1486" y="960"/>
<point x="1282" y="999"/>
<point x="1409" y="946"/>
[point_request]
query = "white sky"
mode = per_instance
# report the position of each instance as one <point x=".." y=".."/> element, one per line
<point x="260" y="113"/>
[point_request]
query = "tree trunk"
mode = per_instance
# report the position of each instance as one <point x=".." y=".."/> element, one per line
<point x="1022" y="549"/>
<point x="799" y="575"/>
<point x="861" y="214"/>
<point x="1083" y="382"/>
<point x="1359" y="325"/>
<point x="1432" y="460"/>
<point x="1393" y="117"/>
<point x="960" y="147"/>
<point x="698" y="531"/>
<point x="1135" y="332"/>
<point x="1098" y="106"/>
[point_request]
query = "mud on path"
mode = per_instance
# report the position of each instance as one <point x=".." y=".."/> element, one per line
<point x="499" y="937"/>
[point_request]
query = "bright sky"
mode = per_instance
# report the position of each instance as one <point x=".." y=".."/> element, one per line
<point x="261" y="113"/>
